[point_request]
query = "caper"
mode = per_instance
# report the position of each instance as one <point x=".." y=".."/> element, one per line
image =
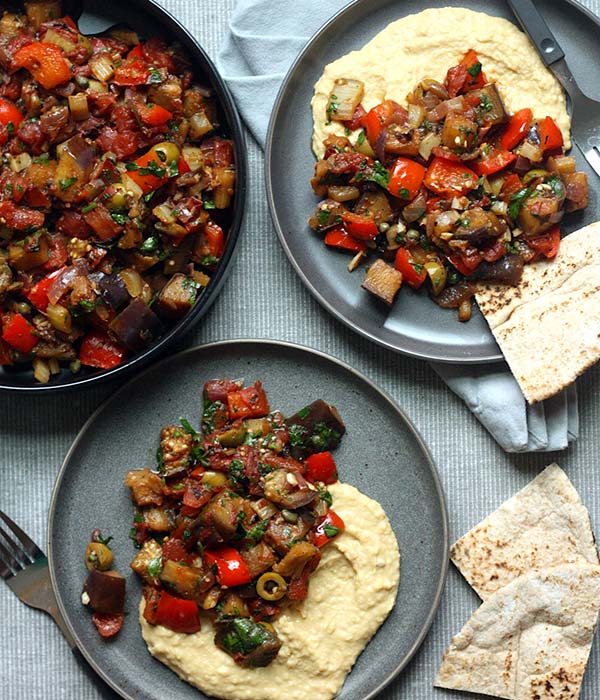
<point x="98" y="556"/>
<point x="82" y="82"/>
<point x="289" y="516"/>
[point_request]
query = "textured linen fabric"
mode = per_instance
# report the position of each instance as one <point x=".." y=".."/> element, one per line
<point x="35" y="434"/>
<point x="258" y="50"/>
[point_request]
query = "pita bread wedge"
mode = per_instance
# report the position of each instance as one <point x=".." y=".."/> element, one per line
<point x="548" y="327"/>
<point x="530" y="640"/>
<point x="543" y="525"/>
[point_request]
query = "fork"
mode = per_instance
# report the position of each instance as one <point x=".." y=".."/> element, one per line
<point x="24" y="567"/>
<point x="585" y="112"/>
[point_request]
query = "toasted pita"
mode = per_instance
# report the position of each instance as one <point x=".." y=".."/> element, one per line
<point x="543" y="525"/>
<point x="548" y="327"/>
<point x="530" y="640"/>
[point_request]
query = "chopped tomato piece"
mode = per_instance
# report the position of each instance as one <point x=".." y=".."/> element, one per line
<point x="546" y="244"/>
<point x="446" y="177"/>
<point x="196" y="494"/>
<point x="362" y="227"/>
<point x="494" y="251"/>
<point x="357" y="118"/>
<point x="406" y="179"/>
<point x="136" y="52"/>
<point x="108" y="624"/>
<point x="99" y="350"/>
<point x="511" y="186"/>
<point x="321" y="467"/>
<point x="231" y="568"/>
<point x="182" y="166"/>
<point x="19" y="333"/>
<point x="551" y="138"/>
<point x="329" y="528"/>
<point x="173" y="549"/>
<point x="215" y="239"/>
<point x="494" y="162"/>
<point x="58" y="253"/>
<point x="174" y="613"/>
<point x="380" y="116"/>
<point x="45" y="62"/>
<point x="465" y="76"/>
<point x="9" y="114"/>
<point x="339" y="238"/>
<point x="413" y="274"/>
<point x="154" y="115"/>
<point x="250" y="402"/>
<point x="133" y="71"/>
<point x="38" y="294"/>
<point x="467" y="262"/>
<point x="516" y="128"/>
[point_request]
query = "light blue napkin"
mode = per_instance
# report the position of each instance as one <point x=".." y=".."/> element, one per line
<point x="265" y="37"/>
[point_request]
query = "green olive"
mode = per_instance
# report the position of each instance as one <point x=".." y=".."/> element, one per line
<point x="168" y="150"/>
<point x="119" y="198"/>
<point x="98" y="556"/>
<point x="214" y="479"/>
<point x="271" y="586"/>
<point x="534" y="174"/>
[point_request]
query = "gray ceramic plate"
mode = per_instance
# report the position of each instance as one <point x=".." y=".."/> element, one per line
<point x="415" y="325"/>
<point x="382" y="454"/>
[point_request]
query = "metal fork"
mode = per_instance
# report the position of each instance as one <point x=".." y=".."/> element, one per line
<point x="24" y="567"/>
<point x="585" y="112"/>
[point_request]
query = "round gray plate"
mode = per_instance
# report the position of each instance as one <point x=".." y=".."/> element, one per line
<point x="415" y="325"/>
<point x="382" y="454"/>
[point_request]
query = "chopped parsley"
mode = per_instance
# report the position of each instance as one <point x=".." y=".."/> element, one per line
<point x="323" y="216"/>
<point x="10" y="127"/>
<point x="173" y="169"/>
<point x="380" y="175"/>
<point x="517" y="201"/>
<point x="298" y="434"/>
<point x="89" y="207"/>
<point x="556" y="185"/>
<point x="361" y="138"/>
<point x="485" y="103"/>
<point x="149" y="245"/>
<point x="121" y="219"/>
<point x="474" y="70"/>
<point x="404" y="193"/>
<point x="152" y="168"/>
<point x="332" y="107"/>
<point x="155" y="566"/>
<point x="208" y="204"/>
<point x="155" y="76"/>
<point x="131" y="166"/>
<point x="87" y="305"/>
<point x="326" y="497"/>
<point x="257" y="532"/>
<point x="67" y="182"/>
<point x="331" y="530"/>
<point x="304" y="412"/>
<point x="186" y="425"/>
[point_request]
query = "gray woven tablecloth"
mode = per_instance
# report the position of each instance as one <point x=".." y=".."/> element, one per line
<point x="264" y="298"/>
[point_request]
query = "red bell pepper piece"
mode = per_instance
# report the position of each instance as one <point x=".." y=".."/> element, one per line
<point x="174" y="613"/>
<point x="467" y="262"/>
<point x="108" y="624"/>
<point x="45" y="62"/>
<point x="250" y="402"/>
<point x="58" y="253"/>
<point x="551" y="138"/>
<point x="215" y="239"/>
<point x="412" y="273"/>
<point x="136" y="52"/>
<point x="182" y="166"/>
<point x="148" y="181"/>
<point x="516" y="129"/>
<point x="9" y="113"/>
<point x="494" y="251"/>
<point x="339" y="238"/>
<point x="406" y="179"/>
<point x="494" y="162"/>
<point x="99" y="350"/>
<point x="133" y="71"/>
<point x="547" y="243"/>
<point x="361" y="227"/>
<point x="446" y="177"/>
<point x="379" y="117"/>
<point x="511" y="186"/>
<point x="231" y="568"/>
<point x="321" y="467"/>
<point x="329" y="528"/>
<point x="19" y="333"/>
<point x="154" y="115"/>
<point x="38" y="294"/>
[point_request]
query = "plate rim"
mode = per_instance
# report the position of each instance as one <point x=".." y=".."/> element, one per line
<point x="330" y="307"/>
<point x="283" y="345"/>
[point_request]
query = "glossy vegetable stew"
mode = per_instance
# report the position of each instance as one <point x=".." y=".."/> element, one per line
<point x="446" y="191"/>
<point x="115" y="189"/>
<point x="232" y="522"/>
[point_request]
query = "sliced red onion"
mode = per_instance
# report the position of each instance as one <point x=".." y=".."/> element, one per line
<point x="62" y="282"/>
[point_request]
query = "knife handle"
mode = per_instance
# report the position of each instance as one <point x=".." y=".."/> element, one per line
<point x="538" y="31"/>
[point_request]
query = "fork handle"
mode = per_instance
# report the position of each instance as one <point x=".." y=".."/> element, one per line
<point x="538" y="31"/>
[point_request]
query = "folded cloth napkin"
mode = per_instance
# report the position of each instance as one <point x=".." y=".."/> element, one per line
<point x="264" y="38"/>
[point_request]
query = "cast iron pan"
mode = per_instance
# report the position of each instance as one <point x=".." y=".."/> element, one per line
<point x="149" y="19"/>
<point x="415" y="325"/>
<point x="381" y="454"/>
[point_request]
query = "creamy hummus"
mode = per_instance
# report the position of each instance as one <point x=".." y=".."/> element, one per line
<point x="350" y="595"/>
<point x="426" y="45"/>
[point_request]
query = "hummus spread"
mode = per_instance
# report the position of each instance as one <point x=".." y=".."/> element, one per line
<point x="426" y="45"/>
<point x="350" y="595"/>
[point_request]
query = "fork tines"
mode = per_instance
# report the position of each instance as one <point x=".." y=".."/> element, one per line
<point x="17" y="550"/>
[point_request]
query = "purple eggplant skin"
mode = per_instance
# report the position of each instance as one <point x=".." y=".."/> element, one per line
<point x="508" y="270"/>
<point x="137" y="325"/>
<point x="105" y="591"/>
<point x="113" y="290"/>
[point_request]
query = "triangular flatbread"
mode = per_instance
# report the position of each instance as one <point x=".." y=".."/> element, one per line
<point x="543" y="525"/>
<point x="530" y="640"/>
<point x="548" y="327"/>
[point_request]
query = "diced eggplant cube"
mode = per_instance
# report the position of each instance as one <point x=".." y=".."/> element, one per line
<point x="383" y="281"/>
<point x="177" y="297"/>
<point x="137" y="325"/>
